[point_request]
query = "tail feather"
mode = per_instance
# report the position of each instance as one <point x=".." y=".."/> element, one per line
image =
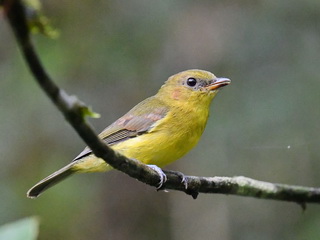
<point x="50" y="181"/>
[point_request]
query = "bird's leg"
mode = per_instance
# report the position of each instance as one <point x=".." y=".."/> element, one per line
<point x="183" y="178"/>
<point x="162" y="175"/>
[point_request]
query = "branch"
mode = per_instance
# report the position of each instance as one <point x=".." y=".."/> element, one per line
<point x="74" y="111"/>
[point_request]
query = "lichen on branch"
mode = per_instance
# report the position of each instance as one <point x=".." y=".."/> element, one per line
<point x="76" y="112"/>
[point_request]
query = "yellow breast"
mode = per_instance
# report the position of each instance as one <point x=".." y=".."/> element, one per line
<point x="170" y="139"/>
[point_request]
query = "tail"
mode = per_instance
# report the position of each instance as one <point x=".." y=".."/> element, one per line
<point x="51" y="180"/>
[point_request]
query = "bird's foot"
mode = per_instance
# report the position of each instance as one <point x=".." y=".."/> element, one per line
<point x="183" y="178"/>
<point x="162" y="175"/>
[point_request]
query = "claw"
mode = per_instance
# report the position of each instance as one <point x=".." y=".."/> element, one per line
<point x="184" y="179"/>
<point x="185" y="182"/>
<point x="162" y="175"/>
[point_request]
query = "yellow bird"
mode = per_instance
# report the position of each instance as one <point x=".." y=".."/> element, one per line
<point x="157" y="131"/>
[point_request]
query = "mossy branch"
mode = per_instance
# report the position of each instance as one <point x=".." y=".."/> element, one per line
<point x="75" y="113"/>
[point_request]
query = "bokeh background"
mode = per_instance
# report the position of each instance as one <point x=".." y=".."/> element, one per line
<point x="113" y="54"/>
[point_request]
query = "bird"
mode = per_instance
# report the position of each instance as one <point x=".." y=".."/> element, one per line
<point x="157" y="131"/>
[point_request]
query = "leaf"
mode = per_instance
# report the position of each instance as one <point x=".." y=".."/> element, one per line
<point x="24" y="229"/>
<point x="87" y="111"/>
<point x="37" y="21"/>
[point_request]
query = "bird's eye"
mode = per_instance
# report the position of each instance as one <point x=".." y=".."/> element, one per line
<point x="191" y="82"/>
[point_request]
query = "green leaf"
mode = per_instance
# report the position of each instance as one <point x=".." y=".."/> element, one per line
<point x="37" y="21"/>
<point x="87" y="111"/>
<point x="24" y="229"/>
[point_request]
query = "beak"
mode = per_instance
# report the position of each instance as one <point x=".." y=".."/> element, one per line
<point x="218" y="83"/>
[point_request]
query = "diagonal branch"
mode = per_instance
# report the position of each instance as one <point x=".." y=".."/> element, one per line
<point x="70" y="106"/>
<point x="73" y="109"/>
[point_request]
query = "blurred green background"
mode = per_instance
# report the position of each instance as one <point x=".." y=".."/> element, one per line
<point x="113" y="54"/>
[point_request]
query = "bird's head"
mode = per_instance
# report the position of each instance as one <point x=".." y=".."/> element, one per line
<point x="194" y="86"/>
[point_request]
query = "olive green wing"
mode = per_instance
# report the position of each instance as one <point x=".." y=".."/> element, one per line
<point x="137" y="121"/>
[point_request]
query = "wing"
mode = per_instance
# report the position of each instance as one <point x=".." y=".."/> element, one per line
<point x="137" y="121"/>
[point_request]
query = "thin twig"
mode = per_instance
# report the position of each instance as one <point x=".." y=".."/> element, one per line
<point x="72" y="108"/>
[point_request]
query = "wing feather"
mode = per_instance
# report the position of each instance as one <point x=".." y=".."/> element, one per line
<point x="137" y="121"/>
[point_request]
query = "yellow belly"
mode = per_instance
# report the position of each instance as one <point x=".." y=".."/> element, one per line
<point x="164" y="144"/>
